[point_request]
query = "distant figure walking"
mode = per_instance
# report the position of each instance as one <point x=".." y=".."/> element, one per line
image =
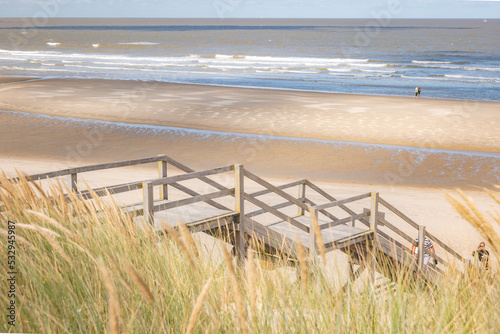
<point x="429" y="247"/>
<point x="417" y="92"/>
<point x="481" y="257"/>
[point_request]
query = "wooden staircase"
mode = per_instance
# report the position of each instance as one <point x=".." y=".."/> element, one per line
<point x="273" y="218"/>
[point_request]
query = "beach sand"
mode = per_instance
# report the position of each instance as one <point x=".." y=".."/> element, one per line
<point x="280" y="135"/>
<point x="431" y="123"/>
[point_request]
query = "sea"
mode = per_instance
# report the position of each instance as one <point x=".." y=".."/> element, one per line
<point x="447" y="58"/>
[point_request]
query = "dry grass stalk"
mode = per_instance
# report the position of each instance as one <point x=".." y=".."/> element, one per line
<point x="236" y="290"/>
<point x="139" y="282"/>
<point x="113" y="302"/>
<point x="252" y="290"/>
<point x="197" y="307"/>
<point x="304" y="270"/>
<point x="470" y="212"/>
<point x="52" y="222"/>
<point x="317" y="233"/>
<point x="19" y="239"/>
<point x="179" y="242"/>
<point x="50" y="236"/>
<point x="189" y="238"/>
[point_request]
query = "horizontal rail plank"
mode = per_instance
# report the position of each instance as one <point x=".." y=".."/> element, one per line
<point x="326" y="213"/>
<point x="398" y="231"/>
<point x="191" y="200"/>
<point x="263" y="211"/>
<point x="444" y="246"/>
<point x="274" y="189"/>
<point x="282" y="187"/>
<point x="277" y="213"/>
<point x="398" y="213"/>
<point x="91" y="168"/>
<point x="415" y="225"/>
<point x="348" y="241"/>
<point x="194" y="193"/>
<point x="186" y="169"/>
<point x="328" y="196"/>
<point x="341" y="202"/>
<point x="116" y="189"/>
<point x="193" y="175"/>
<point x="343" y="221"/>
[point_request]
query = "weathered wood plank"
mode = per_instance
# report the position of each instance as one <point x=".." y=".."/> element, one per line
<point x="276" y="240"/>
<point x="191" y="200"/>
<point x="415" y="225"/>
<point x="348" y="241"/>
<point x="444" y="246"/>
<point x="277" y="213"/>
<point x="398" y="213"/>
<point x="212" y="222"/>
<point x="328" y="196"/>
<point x="274" y="189"/>
<point x="263" y="211"/>
<point x="341" y="202"/>
<point x="116" y="189"/>
<point x="194" y="193"/>
<point x="343" y="221"/>
<point x="193" y="175"/>
<point x="282" y="187"/>
<point x="90" y="168"/>
<point x="186" y="169"/>
<point x="324" y="212"/>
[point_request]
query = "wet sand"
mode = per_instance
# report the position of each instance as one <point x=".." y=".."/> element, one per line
<point x="430" y="123"/>
<point x="404" y="148"/>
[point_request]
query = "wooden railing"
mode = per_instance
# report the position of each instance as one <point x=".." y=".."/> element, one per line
<point x="371" y="218"/>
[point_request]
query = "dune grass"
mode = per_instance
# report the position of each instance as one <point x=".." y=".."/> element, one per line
<point x="80" y="271"/>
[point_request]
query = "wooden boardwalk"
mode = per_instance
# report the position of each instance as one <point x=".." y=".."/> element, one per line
<point x="370" y="230"/>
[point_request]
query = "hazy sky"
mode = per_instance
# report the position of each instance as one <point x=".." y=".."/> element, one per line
<point x="252" y="8"/>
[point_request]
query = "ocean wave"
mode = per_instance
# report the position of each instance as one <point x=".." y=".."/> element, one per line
<point x="488" y="69"/>
<point x="459" y="76"/>
<point x="430" y="62"/>
<point x="53" y="43"/>
<point x="139" y="43"/>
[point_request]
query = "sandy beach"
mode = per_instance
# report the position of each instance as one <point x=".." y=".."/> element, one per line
<point x="408" y="149"/>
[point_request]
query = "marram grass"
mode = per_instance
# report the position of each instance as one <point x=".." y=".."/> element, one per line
<point x="88" y="268"/>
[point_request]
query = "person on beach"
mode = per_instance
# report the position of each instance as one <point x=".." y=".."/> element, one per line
<point x="429" y="247"/>
<point x="417" y="92"/>
<point x="481" y="257"/>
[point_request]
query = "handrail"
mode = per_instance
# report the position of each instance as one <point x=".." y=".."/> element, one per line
<point x="284" y="186"/>
<point x="343" y="221"/>
<point x="189" y="176"/>
<point x="274" y="189"/>
<point x="277" y="213"/>
<point x="186" y="169"/>
<point x="328" y="196"/>
<point x="194" y="199"/>
<point x="415" y="225"/>
<point x="90" y="168"/>
<point x="340" y="202"/>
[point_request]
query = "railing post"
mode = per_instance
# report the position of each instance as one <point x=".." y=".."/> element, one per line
<point x="313" y="252"/>
<point x="302" y="196"/>
<point x="373" y="228"/>
<point x="239" y="198"/>
<point x="373" y="213"/>
<point x="148" y="203"/>
<point x="162" y="172"/>
<point x="421" y="248"/>
<point x="73" y="182"/>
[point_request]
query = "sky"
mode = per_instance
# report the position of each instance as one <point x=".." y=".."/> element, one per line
<point x="253" y="8"/>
